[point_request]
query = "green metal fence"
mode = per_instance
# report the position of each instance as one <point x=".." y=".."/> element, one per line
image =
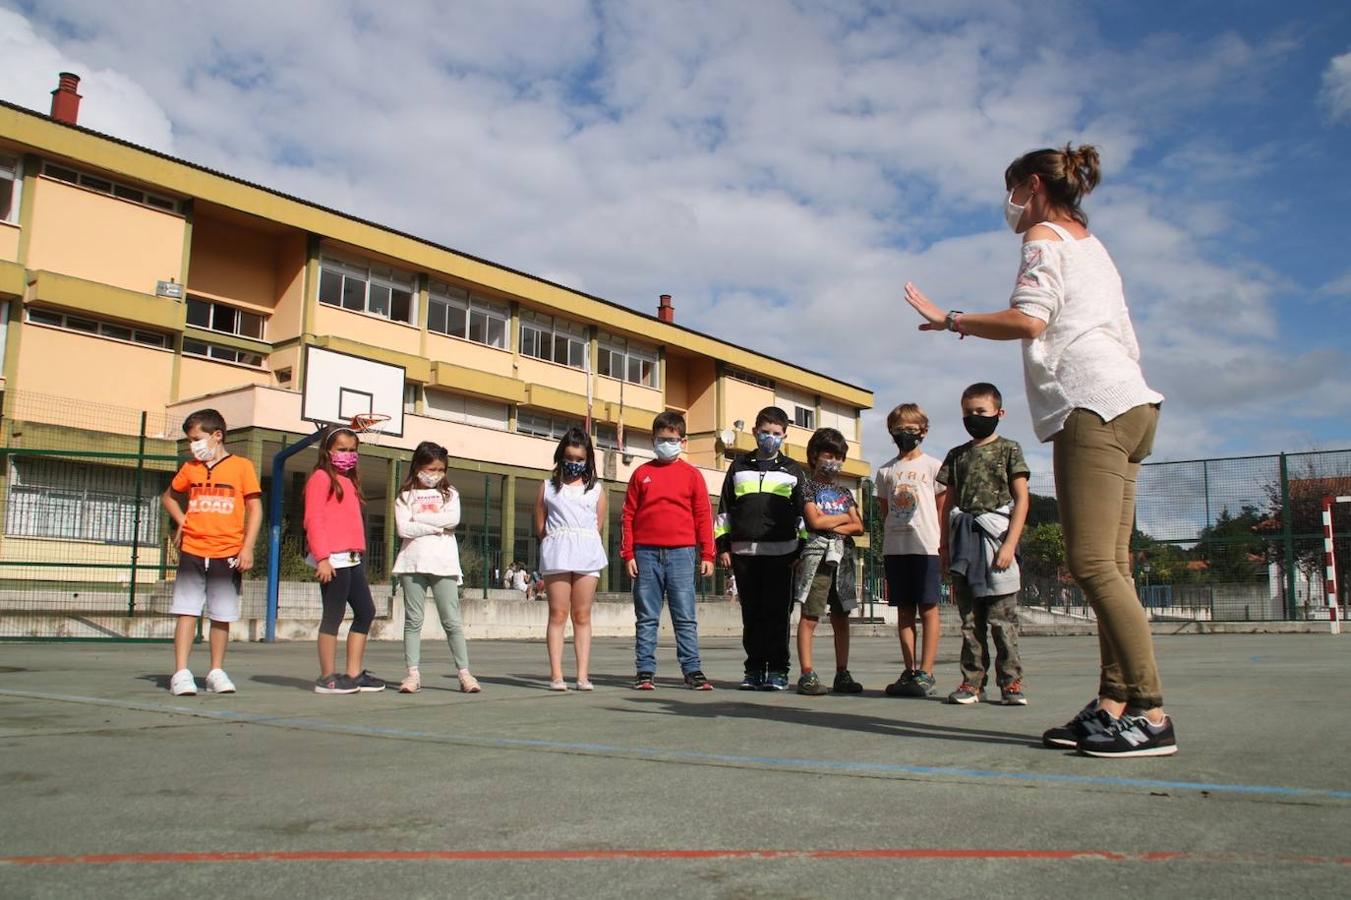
<point x="1226" y="539"/>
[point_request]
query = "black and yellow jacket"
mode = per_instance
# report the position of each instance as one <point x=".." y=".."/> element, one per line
<point x="760" y="510"/>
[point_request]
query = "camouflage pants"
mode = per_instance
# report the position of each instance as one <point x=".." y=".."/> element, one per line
<point x="984" y="617"/>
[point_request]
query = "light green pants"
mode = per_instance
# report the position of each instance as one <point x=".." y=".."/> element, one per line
<point x="446" y="593"/>
<point x="1096" y="466"/>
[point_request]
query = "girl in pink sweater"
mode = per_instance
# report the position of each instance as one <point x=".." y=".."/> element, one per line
<point x="337" y="542"/>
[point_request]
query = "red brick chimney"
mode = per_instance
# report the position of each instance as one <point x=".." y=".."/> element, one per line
<point x="65" y="102"/>
<point x="665" y="311"/>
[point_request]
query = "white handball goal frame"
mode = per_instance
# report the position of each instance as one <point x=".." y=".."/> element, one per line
<point x="1330" y="560"/>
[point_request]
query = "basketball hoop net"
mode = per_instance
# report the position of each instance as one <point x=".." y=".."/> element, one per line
<point x="372" y="424"/>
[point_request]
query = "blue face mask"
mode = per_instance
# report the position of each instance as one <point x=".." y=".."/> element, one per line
<point x="666" y="450"/>
<point x="769" y="444"/>
<point x="574" y="468"/>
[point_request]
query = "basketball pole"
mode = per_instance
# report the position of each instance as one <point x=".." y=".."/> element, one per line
<point x="1330" y="562"/>
<point x="275" y="506"/>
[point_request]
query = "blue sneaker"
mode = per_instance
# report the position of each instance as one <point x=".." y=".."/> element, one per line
<point x="751" y="682"/>
<point x="777" y="681"/>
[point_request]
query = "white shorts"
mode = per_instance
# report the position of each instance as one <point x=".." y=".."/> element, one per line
<point x="569" y="572"/>
<point x="213" y="584"/>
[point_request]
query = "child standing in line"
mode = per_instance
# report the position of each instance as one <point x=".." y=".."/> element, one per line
<point x="569" y="513"/>
<point x="337" y="540"/>
<point x="667" y="545"/>
<point x="426" y="513"/>
<point x="759" y="533"/>
<point x="908" y="493"/>
<point x="826" y="576"/>
<point x="215" y="540"/>
<point x="984" y="510"/>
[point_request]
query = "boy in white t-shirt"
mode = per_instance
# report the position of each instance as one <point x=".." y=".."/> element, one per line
<point x="908" y="492"/>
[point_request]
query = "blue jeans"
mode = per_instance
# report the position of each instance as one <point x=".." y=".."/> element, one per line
<point x="670" y="573"/>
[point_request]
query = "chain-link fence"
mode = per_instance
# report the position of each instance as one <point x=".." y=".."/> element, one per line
<point x="1232" y="539"/>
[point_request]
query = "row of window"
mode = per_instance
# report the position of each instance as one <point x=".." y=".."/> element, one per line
<point x="108" y="186"/>
<point x="142" y="337"/>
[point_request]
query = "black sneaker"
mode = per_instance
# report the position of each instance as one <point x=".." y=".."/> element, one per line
<point x="1131" y="736"/>
<point x="752" y="681"/>
<point x="368" y="683"/>
<point x="777" y="681"/>
<point x="335" y="684"/>
<point x="897" y="687"/>
<point x="810" y="684"/>
<point x="922" y="685"/>
<point x="643" y="681"/>
<point x="1089" y="720"/>
<point x="697" y="681"/>
<point x="845" y="684"/>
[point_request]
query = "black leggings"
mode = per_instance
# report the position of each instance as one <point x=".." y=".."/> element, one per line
<point x="348" y="587"/>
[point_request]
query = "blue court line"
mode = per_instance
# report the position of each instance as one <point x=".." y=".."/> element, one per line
<point x="693" y="756"/>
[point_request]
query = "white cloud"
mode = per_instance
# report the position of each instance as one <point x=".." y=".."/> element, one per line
<point x="1337" y="87"/>
<point x="735" y="155"/>
<point x="113" y="102"/>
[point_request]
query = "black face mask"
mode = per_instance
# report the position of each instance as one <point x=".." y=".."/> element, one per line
<point x="980" y="427"/>
<point x="905" y="441"/>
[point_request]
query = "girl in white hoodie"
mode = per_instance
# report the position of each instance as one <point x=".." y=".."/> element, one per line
<point x="426" y="513"/>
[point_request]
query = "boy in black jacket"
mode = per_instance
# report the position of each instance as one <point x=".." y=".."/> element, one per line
<point x="759" y="533"/>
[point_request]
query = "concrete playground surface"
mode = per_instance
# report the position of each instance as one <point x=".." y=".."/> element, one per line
<point x="114" y="788"/>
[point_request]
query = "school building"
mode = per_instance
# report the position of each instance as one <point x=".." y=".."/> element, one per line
<point x="136" y="287"/>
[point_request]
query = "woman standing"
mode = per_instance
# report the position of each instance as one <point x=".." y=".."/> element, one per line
<point x="1089" y="399"/>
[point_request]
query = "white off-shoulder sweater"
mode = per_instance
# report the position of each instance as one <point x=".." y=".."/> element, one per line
<point x="1087" y="358"/>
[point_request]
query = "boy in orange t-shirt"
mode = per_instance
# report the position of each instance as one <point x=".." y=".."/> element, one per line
<point x="215" y="540"/>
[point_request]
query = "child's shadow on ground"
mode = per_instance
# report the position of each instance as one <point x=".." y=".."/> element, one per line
<point x="839" y="721"/>
<point x="162" y="681"/>
<point x="286" y="681"/>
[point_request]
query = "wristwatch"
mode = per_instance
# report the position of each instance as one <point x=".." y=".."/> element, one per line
<point x="950" y="323"/>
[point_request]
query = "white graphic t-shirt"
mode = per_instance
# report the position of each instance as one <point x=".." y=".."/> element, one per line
<point x="909" y="487"/>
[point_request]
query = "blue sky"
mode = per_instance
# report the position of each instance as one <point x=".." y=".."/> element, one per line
<point x="792" y="165"/>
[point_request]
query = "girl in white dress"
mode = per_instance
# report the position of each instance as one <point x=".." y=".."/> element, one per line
<point x="569" y="514"/>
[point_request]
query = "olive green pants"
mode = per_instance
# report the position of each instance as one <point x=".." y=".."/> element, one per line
<point x="1096" y="466"/>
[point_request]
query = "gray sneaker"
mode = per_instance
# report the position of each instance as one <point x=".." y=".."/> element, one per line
<point x="965" y="694"/>
<point x="922" y="685"/>
<point x="810" y="683"/>
<point x="335" y="683"/>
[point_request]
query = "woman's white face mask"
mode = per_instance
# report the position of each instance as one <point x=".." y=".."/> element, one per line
<point x="1013" y="213"/>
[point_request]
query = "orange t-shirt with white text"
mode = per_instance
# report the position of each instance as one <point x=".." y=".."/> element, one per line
<point x="214" y="525"/>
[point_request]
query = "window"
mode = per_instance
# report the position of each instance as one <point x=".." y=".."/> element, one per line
<point x="410" y="396"/>
<point x="222" y="354"/>
<point x="625" y="360"/>
<point x="51" y="498"/>
<point x="225" y="319"/>
<point x="749" y="377"/>
<point x="454" y="407"/>
<point x="803" y="417"/>
<point x="458" y="313"/>
<point x="10" y="179"/>
<point x="553" y="340"/>
<point x="377" y="290"/>
<point x="116" y="332"/>
<point x="107" y="186"/>
<point x="544" y="425"/>
<point x="841" y="417"/>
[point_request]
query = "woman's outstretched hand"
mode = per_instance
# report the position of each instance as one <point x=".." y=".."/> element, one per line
<point x="934" y="318"/>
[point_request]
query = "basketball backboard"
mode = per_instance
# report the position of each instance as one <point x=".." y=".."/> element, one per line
<point x="339" y="386"/>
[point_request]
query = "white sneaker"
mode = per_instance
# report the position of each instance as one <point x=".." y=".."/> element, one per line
<point x="182" y="684"/>
<point x="217" y="682"/>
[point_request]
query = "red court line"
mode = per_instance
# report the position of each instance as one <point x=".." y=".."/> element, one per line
<point x="915" y="853"/>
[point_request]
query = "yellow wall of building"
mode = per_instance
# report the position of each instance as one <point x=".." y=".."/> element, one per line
<point x="535" y="371"/>
<point x="470" y="355"/>
<point x="677" y="382"/>
<point x="92" y="369"/>
<point x="743" y="401"/>
<point x="366" y="329"/>
<point x="634" y="394"/>
<point x="200" y="376"/>
<point x="100" y="238"/>
<point x="701" y="392"/>
<point x="9" y="242"/>
<point x="234" y="263"/>
<point x="289" y="279"/>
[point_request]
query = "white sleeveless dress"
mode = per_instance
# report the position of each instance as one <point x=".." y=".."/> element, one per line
<point x="572" y="542"/>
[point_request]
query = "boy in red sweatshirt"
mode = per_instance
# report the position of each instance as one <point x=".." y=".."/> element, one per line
<point x="667" y="544"/>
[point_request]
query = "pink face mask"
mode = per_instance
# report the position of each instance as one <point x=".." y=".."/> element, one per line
<point x="343" y="460"/>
